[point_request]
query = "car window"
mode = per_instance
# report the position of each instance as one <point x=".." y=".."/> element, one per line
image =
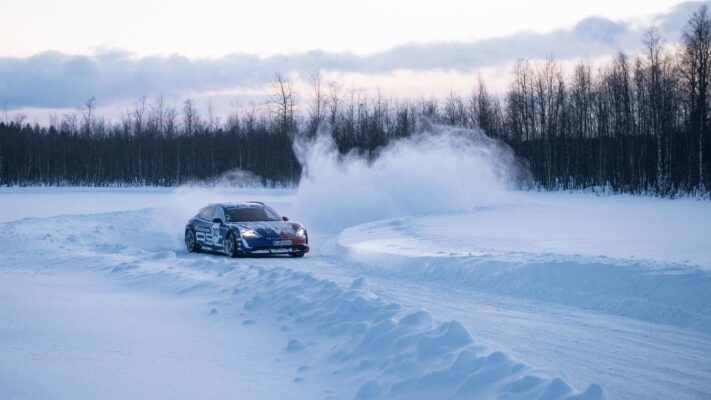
<point x="206" y="213"/>
<point x="218" y="214"/>
<point x="272" y="213"/>
<point x="252" y="213"/>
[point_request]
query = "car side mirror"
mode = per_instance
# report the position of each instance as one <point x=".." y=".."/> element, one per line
<point x="217" y="221"/>
<point x="285" y="218"/>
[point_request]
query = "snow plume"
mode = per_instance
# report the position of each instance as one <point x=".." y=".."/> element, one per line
<point x="438" y="169"/>
<point x="237" y="178"/>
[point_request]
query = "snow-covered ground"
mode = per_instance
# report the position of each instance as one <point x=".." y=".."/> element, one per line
<point x="527" y="295"/>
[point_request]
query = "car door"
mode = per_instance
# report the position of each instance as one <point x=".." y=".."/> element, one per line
<point x="203" y="227"/>
<point x="218" y="230"/>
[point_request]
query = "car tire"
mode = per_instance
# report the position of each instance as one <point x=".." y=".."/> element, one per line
<point x="191" y="243"/>
<point x="297" y="255"/>
<point x="231" y="247"/>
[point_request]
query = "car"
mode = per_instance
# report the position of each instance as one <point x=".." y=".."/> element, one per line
<point x="242" y="229"/>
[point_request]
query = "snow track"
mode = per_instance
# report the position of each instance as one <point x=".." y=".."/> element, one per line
<point x="371" y="347"/>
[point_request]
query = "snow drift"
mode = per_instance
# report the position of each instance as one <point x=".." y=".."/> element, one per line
<point x="396" y="352"/>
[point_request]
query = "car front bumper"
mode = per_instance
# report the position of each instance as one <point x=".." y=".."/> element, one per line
<point x="273" y="246"/>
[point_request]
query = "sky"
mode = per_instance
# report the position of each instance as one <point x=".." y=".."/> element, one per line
<point x="54" y="55"/>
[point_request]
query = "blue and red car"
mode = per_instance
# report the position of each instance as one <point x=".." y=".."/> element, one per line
<point x="241" y="229"/>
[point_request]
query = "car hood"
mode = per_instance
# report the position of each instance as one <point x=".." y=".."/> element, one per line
<point x="269" y="229"/>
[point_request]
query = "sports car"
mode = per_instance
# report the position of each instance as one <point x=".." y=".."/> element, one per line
<point x="240" y="229"/>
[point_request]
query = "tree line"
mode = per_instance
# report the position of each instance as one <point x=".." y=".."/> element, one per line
<point x="152" y="145"/>
<point x="637" y="124"/>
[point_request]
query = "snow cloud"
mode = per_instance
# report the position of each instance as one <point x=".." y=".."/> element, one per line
<point x="439" y="169"/>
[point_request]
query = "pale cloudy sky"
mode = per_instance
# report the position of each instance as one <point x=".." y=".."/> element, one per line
<point x="55" y="54"/>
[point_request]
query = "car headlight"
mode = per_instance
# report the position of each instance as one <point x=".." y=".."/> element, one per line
<point x="301" y="232"/>
<point x="248" y="233"/>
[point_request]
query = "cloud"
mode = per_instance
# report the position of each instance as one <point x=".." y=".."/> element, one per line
<point x="55" y="80"/>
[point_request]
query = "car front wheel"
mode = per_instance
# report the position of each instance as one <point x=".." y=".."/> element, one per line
<point x="231" y="245"/>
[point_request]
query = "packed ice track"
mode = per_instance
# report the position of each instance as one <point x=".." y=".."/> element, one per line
<point x="109" y="304"/>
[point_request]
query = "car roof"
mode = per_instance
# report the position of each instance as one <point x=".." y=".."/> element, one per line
<point x="237" y="205"/>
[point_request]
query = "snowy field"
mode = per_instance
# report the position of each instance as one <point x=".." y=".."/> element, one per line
<point x="526" y="295"/>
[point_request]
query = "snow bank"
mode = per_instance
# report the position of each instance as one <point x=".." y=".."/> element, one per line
<point x="648" y="259"/>
<point x="391" y="351"/>
<point x="672" y="295"/>
<point x="36" y="202"/>
<point x="439" y="169"/>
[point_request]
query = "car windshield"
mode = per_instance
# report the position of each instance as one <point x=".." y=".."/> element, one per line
<point x="251" y="213"/>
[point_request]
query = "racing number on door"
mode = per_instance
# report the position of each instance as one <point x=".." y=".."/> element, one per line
<point x="215" y="233"/>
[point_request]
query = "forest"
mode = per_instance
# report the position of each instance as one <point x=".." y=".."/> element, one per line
<point x="639" y="123"/>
